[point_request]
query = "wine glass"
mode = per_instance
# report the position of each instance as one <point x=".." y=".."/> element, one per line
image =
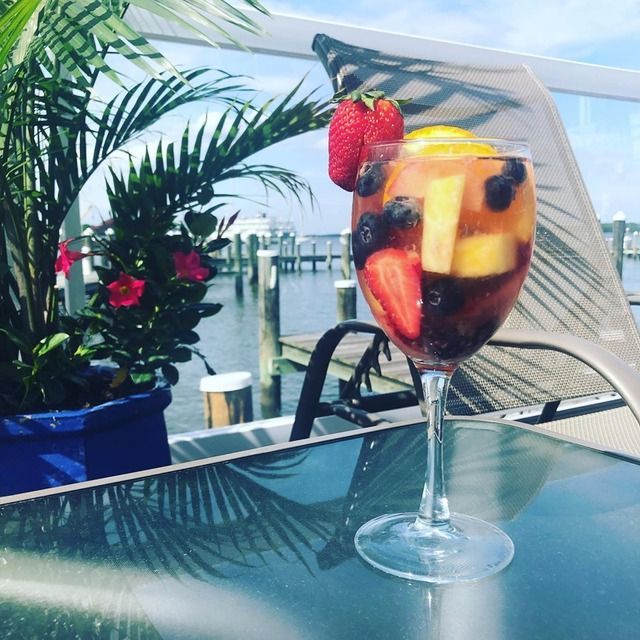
<point x="442" y="234"/>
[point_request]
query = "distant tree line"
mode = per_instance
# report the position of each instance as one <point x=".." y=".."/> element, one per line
<point x="607" y="227"/>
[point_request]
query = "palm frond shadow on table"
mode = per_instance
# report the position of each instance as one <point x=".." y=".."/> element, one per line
<point x="75" y="561"/>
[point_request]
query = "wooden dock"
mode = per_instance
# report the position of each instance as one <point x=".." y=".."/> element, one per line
<point x="296" y="350"/>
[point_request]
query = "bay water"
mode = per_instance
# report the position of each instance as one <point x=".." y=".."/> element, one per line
<point x="307" y="305"/>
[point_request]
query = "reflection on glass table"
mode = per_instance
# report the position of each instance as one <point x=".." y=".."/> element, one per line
<point x="261" y="546"/>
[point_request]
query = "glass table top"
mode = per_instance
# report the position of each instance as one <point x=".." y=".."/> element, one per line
<point x="262" y="547"/>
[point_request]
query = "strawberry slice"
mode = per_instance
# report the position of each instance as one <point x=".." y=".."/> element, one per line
<point x="393" y="276"/>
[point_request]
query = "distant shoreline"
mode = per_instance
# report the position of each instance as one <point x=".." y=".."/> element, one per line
<point x="607" y="227"/>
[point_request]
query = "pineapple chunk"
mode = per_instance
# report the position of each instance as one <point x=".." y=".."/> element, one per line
<point x="442" y="200"/>
<point x="484" y="255"/>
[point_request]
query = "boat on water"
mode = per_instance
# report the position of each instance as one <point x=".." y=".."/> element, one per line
<point x="261" y="224"/>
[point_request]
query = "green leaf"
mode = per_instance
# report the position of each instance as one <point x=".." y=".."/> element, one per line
<point x="188" y="337"/>
<point x="193" y="292"/>
<point x="50" y="343"/>
<point x="217" y="245"/>
<point x="171" y="373"/>
<point x="76" y="33"/>
<point x="207" y="309"/>
<point x="201" y="224"/>
<point x="143" y="378"/>
<point x="181" y="354"/>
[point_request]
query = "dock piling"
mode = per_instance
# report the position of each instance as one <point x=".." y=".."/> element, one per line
<point x="281" y="248"/>
<point x="237" y="262"/>
<point x="619" y="225"/>
<point x="298" y="261"/>
<point x="269" y="331"/>
<point x="230" y="257"/>
<point x="346" y="299"/>
<point x="345" y="247"/>
<point x="227" y="399"/>
<point x="252" y="259"/>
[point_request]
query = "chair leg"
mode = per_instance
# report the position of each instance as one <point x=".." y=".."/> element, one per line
<point x="548" y="411"/>
<point x="317" y="373"/>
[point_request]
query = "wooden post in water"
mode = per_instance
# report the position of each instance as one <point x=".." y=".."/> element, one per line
<point x="313" y="254"/>
<point x="346" y="297"/>
<point x="281" y="250"/>
<point x="268" y="331"/>
<point x="252" y="259"/>
<point x="298" y="256"/>
<point x="619" y="224"/>
<point x="329" y="255"/>
<point x="292" y="244"/>
<point x="237" y="262"/>
<point x="227" y="399"/>
<point x="230" y="257"/>
<point x="345" y="252"/>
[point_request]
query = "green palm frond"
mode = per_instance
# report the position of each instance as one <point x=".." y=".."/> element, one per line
<point x="135" y="110"/>
<point x="174" y="178"/>
<point x="77" y="33"/>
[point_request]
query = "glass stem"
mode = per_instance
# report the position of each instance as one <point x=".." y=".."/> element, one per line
<point x="434" y="507"/>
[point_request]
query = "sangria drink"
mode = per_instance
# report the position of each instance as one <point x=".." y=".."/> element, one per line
<point x="442" y="238"/>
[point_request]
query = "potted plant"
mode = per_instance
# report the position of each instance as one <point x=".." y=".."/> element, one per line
<point x="165" y="209"/>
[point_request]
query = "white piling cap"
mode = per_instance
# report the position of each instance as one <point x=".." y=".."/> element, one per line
<point x="619" y="216"/>
<point x="223" y="382"/>
<point x="344" y="284"/>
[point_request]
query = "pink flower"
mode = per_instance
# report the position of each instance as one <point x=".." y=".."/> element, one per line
<point x="188" y="266"/>
<point x="125" y="291"/>
<point x="66" y="258"/>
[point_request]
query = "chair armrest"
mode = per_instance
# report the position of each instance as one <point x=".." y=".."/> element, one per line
<point x="623" y="378"/>
<point x="633" y="298"/>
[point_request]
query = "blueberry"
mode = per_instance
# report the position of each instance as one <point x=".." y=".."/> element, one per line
<point x="499" y="192"/>
<point x="368" y="237"/>
<point x="402" y="212"/>
<point x="516" y="169"/>
<point x="443" y="296"/>
<point x="370" y="179"/>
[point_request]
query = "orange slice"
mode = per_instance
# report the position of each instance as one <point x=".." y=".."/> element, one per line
<point x="444" y="131"/>
<point x="439" y="131"/>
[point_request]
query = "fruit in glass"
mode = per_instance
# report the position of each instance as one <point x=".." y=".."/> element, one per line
<point x="442" y="237"/>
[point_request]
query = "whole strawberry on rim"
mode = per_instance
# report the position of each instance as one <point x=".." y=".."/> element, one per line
<point x="360" y="118"/>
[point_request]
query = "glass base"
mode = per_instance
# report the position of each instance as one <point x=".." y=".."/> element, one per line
<point x="464" y="549"/>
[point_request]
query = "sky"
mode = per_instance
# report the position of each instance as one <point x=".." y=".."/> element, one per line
<point x="605" y="134"/>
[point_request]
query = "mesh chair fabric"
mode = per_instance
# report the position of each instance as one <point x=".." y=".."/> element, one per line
<point x="572" y="286"/>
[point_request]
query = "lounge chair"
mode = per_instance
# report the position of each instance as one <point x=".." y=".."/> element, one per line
<point x="573" y="319"/>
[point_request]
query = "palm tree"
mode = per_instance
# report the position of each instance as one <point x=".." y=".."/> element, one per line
<point x="54" y="135"/>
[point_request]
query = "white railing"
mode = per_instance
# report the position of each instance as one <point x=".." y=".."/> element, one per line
<point x="292" y="36"/>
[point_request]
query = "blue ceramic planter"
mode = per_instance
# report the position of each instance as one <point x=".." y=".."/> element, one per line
<point x="43" y="450"/>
